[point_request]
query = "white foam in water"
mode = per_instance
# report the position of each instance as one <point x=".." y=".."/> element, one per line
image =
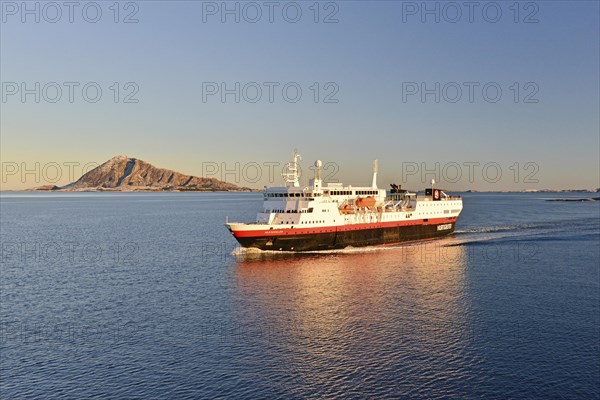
<point x="249" y="252"/>
<point x="489" y="233"/>
<point x="486" y="229"/>
<point x="240" y="251"/>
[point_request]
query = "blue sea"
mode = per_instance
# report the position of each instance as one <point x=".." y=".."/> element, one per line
<point x="147" y="296"/>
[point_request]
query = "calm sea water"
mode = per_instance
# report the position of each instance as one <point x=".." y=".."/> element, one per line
<point x="146" y="296"/>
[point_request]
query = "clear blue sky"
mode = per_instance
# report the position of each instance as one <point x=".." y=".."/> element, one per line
<point x="372" y="53"/>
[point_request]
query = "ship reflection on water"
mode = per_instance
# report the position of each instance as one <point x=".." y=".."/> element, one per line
<point x="335" y="319"/>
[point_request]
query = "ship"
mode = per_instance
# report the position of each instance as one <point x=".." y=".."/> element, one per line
<point x="329" y="216"/>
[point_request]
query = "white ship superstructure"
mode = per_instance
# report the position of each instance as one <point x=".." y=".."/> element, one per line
<point x="328" y="216"/>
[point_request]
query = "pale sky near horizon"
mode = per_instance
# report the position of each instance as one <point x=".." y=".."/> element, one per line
<point x="379" y="80"/>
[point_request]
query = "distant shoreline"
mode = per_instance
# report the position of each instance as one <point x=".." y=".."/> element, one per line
<point x="576" y="200"/>
<point x="126" y="191"/>
<point x="161" y="190"/>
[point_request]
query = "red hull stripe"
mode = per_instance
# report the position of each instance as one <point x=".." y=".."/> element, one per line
<point x="354" y="227"/>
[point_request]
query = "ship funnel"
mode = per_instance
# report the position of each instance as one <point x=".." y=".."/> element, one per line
<point x="375" y="168"/>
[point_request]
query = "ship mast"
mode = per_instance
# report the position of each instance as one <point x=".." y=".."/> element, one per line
<point x="375" y="168"/>
<point x="316" y="182"/>
<point x="291" y="174"/>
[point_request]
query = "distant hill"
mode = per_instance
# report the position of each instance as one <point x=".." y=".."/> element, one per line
<point x="122" y="173"/>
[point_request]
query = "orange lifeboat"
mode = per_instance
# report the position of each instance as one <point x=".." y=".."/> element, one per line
<point x="365" y="201"/>
<point x="347" y="209"/>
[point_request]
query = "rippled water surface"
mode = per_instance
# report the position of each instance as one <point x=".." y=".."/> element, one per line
<point x="147" y="296"/>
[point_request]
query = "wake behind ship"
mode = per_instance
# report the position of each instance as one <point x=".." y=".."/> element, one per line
<point x="334" y="216"/>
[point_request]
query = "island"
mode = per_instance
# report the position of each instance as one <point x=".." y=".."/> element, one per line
<point x="126" y="174"/>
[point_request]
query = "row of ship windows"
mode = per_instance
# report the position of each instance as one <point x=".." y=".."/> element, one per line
<point x="289" y="211"/>
<point x="332" y="193"/>
<point x="310" y="210"/>
<point x="353" y="192"/>
<point x="302" y="195"/>
<point x="304" y="222"/>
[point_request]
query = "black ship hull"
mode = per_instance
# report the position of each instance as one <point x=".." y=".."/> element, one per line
<point x="342" y="239"/>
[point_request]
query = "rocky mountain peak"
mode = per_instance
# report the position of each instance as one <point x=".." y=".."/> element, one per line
<point x="132" y="174"/>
